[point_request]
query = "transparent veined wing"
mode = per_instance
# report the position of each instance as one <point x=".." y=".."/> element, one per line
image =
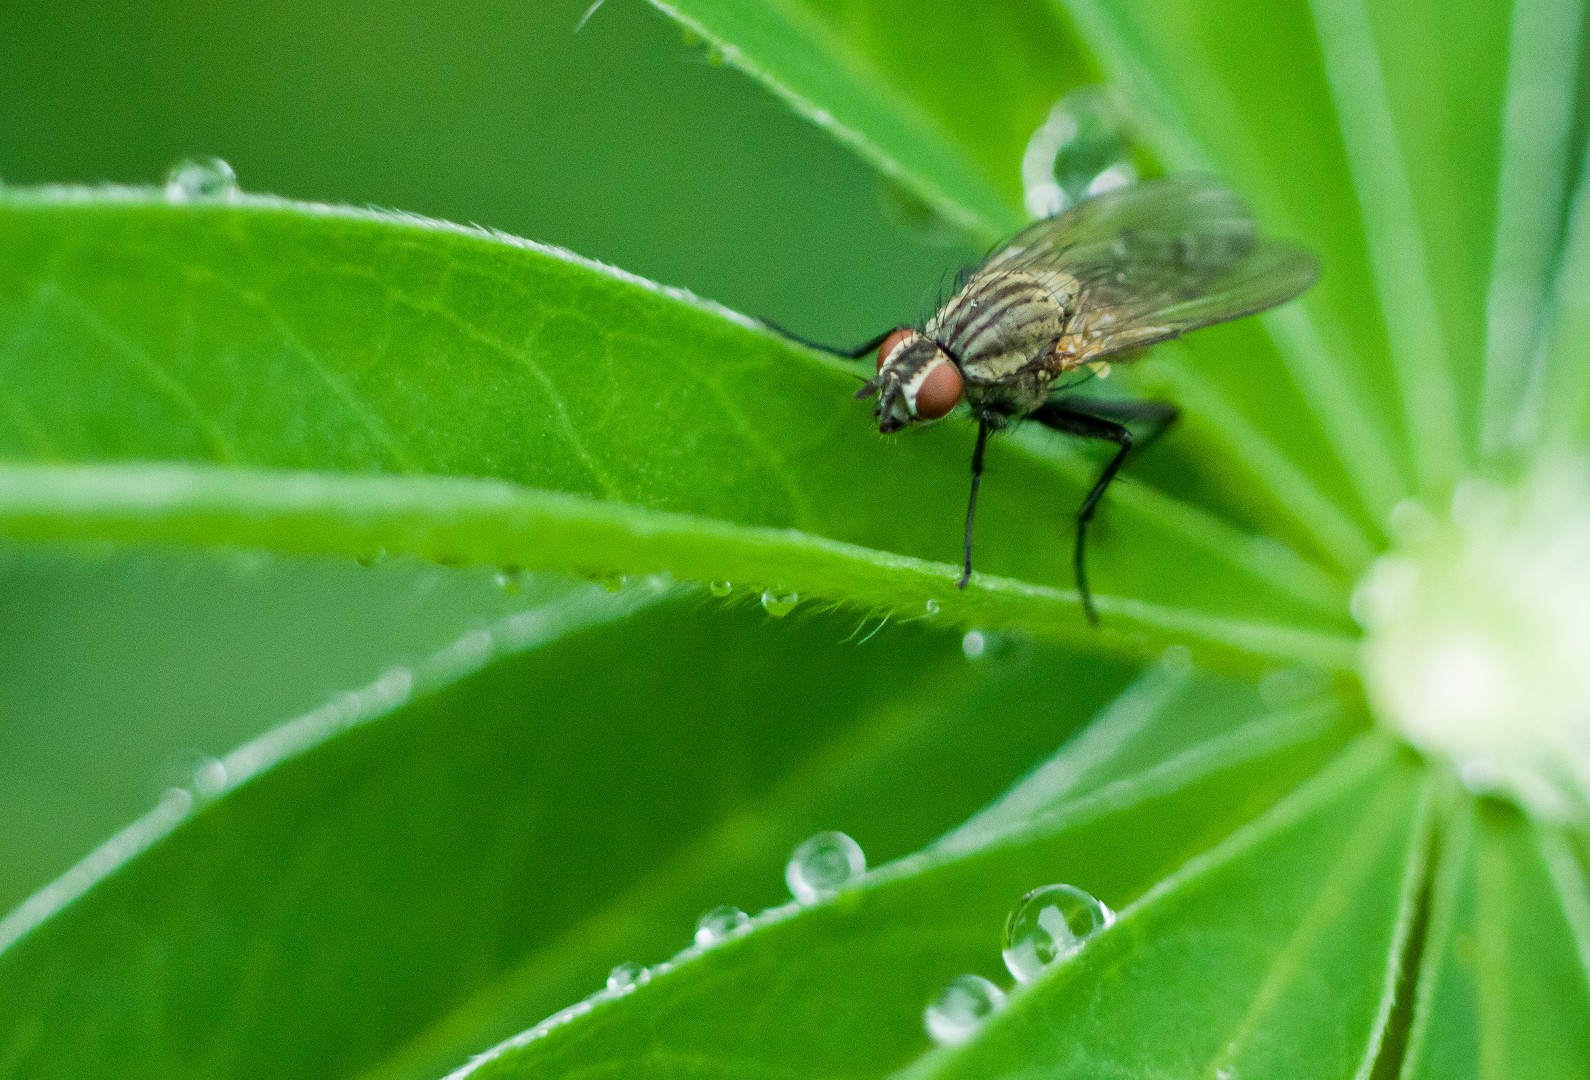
<point x="1145" y="263"/>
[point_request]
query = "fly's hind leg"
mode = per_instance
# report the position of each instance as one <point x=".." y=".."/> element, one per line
<point x="852" y="352"/>
<point x="1082" y="417"/>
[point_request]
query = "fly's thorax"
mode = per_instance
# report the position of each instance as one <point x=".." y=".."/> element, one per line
<point x="917" y="381"/>
<point x="1003" y="321"/>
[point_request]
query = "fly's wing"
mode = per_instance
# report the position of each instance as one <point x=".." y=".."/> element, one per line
<point x="1145" y="263"/>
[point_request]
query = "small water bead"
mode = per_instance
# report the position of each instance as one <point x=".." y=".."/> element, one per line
<point x="779" y="604"/>
<point x="613" y="582"/>
<point x="1082" y="149"/>
<point x="720" y="924"/>
<point x="721" y="589"/>
<point x="823" y="865"/>
<point x="625" y="977"/>
<point x="932" y="607"/>
<point x="1050" y="924"/>
<point x="201" y="180"/>
<point x="961" y="1009"/>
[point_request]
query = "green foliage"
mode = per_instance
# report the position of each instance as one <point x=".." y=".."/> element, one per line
<point x="421" y="870"/>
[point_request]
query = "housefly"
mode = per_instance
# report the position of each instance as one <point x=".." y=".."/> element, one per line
<point x="1066" y="296"/>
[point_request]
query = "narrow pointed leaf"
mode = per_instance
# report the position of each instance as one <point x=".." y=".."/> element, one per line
<point x="1504" y="990"/>
<point x="320" y="380"/>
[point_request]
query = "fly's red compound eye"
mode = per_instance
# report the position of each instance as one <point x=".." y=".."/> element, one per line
<point x="939" y="391"/>
<point x="891" y="343"/>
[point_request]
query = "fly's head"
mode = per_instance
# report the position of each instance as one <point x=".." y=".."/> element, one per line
<point x="917" y="381"/>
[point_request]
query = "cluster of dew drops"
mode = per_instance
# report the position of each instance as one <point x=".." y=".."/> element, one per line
<point x="1047" y="926"/>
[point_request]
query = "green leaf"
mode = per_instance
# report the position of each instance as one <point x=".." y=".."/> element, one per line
<point x="877" y="77"/>
<point x="1504" y="990"/>
<point x="1559" y="409"/>
<point x="864" y="965"/>
<point x="468" y="845"/>
<point x="605" y="410"/>
<point x="1536" y="152"/>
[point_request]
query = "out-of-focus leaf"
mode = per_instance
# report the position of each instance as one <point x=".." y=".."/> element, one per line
<point x="465" y="846"/>
<point x="885" y="78"/>
<point x="1504" y="989"/>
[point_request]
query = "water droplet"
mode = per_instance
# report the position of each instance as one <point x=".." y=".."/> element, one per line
<point x="372" y="558"/>
<point x="932" y="607"/>
<point x="201" y="180"/>
<point x="974" y="644"/>
<point x="779" y="604"/>
<point x="1176" y="660"/>
<point x="823" y="865"/>
<point x="510" y="580"/>
<point x="613" y="582"/>
<point x="1082" y="149"/>
<point x="720" y="924"/>
<point x="721" y="588"/>
<point x="209" y="778"/>
<point x="961" y="1009"/>
<point x="1048" y="925"/>
<point x="625" y="977"/>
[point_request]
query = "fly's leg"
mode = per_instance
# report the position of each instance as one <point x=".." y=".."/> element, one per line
<point x="854" y="353"/>
<point x="1157" y="417"/>
<point x="971" y="504"/>
<point x="1067" y="416"/>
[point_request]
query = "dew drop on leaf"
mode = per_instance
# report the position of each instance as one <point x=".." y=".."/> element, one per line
<point x="720" y="924"/>
<point x="932" y="607"/>
<point x="822" y="865"/>
<point x="961" y="1009"/>
<point x="1081" y="149"/>
<point x="201" y="180"/>
<point x="974" y="644"/>
<point x="1050" y="924"/>
<point x="779" y="604"/>
<point x="721" y="588"/>
<point x="625" y="977"/>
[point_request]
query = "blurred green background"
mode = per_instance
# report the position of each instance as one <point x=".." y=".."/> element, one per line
<point x="624" y="142"/>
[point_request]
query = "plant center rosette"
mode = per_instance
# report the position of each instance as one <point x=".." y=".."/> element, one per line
<point x="1477" y="644"/>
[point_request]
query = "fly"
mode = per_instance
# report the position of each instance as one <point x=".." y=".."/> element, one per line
<point x="1074" y="292"/>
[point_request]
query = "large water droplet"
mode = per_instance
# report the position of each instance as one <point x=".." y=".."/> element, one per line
<point x="201" y="180"/>
<point x="974" y="643"/>
<point x="626" y="977"/>
<point x="1050" y="924"/>
<point x="721" y="589"/>
<point x="779" y="604"/>
<point x="1082" y="149"/>
<point x="961" y="1009"/>
<point x="823" y="865"/>
<point x="720" y="924"/>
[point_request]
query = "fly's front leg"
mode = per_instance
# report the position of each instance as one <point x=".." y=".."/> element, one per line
<point x="1067" y="416"/>
<point x="852" y="353"/>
